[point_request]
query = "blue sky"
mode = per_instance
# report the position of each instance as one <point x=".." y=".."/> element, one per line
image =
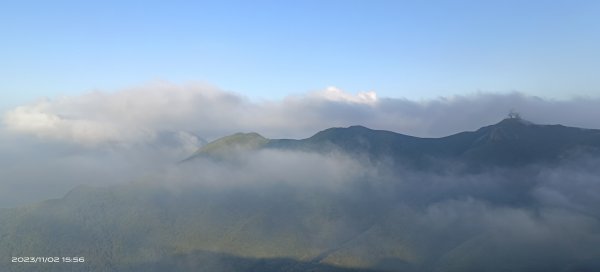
<point x="270" y="49"/>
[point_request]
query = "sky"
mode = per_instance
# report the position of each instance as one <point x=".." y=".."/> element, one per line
<point x="113" y="92"/>
<point x="268" y="50"/>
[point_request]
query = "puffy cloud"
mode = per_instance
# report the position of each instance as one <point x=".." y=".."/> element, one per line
<point x="136" y="115"/>
<point x="337" y="95"/>
<point x="39" y="119"/>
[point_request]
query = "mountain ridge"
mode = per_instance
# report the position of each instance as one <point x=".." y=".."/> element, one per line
<point x="510" y="142"/>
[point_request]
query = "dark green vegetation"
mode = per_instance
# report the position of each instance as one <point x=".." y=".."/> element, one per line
<point x="509" y="197"/>
<point x="512" y="142"/>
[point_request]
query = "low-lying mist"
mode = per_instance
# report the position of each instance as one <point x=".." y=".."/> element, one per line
<point x="534" y="217"/>
<point x="345" y="209"/>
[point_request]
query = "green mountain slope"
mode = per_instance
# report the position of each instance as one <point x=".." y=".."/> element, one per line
<point x="231" y="145"/>
<point x="129" y="228"/>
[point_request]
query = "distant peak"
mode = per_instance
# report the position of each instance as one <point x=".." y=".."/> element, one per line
<point x="515" y="121"/>
<point x="358" y="127"/>
<point x="514" y="115"/>
<point x="242" y="138"/>
<point x="245" y="135"/>
<point x="350" y="128"/>
<point x="232" y="144"/>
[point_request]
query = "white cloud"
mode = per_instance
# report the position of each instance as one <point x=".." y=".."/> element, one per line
<point x="337" y="95"/>
<point x="40" y="120"/>
<point x="129" y="116"/>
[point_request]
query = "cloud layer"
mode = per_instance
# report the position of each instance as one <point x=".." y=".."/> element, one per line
<point x="139" y="115"/>
<point x="107" y="137"/>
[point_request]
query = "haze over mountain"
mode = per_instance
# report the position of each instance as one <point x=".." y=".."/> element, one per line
<point x="513" y="196"/>
<point x="53" y="144"/>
